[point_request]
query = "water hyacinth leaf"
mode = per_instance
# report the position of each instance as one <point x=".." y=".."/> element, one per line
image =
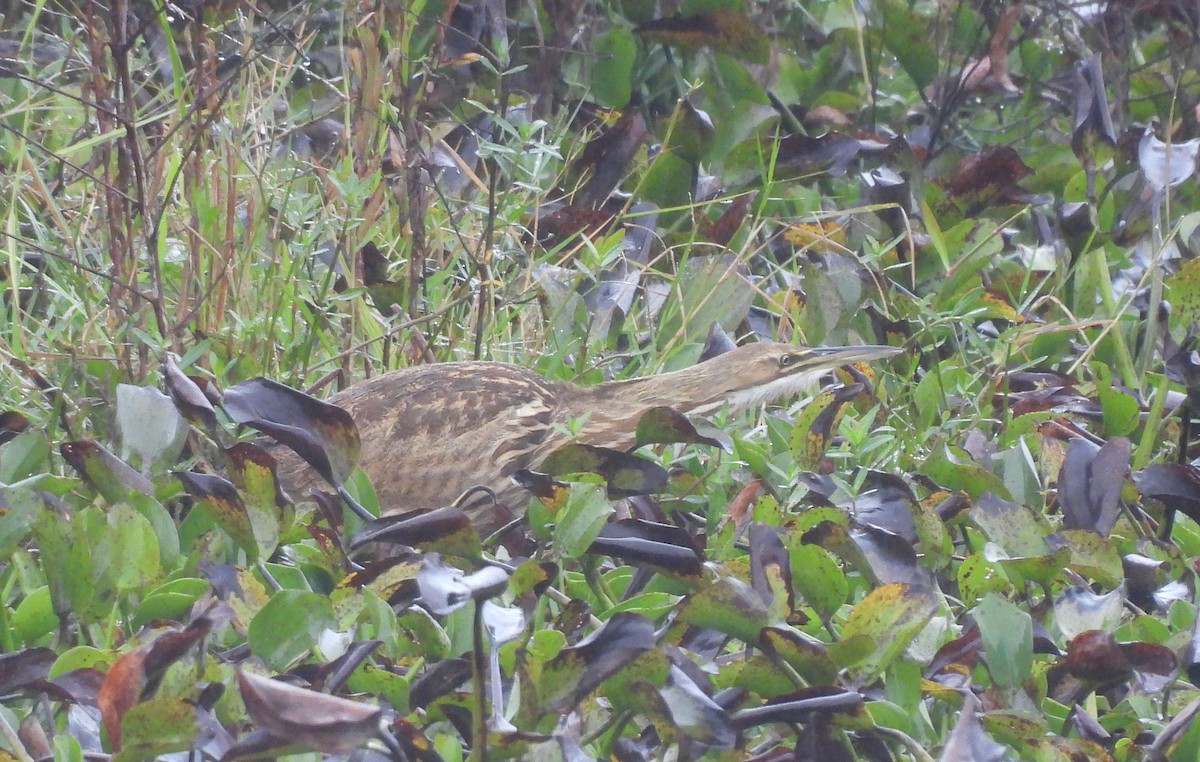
<point x="187" y="395"/>
<point x="1092" y="121"/>
<point x="578" y="670"/>
<point x="1183" y="293"/>
<point x="968" y="742"/>
<point x="1016" y="528"/>
<point x="1176" y="485"/>
<point x="1121" y="411"/>
<point x="890" y="616"/>
<point x="624" y="474"/>
<point x="288" y="626"/>
<point x="666" y="425"/>
<point x="1092" y="556"/>
<point x="650" y="667"/>
<point x="664" y="546"/>
<point x="137" y="673"/>
<point x="23" y="455"/>
<point x="723" y="30"/>
<point x="157" y="726"/>
<point x="1089" y="484"/>
<point x="448" y="531"/>
<point x="1042" y="569"/>
<point x="727" y="605"/>
<point x="814" y="426"/>
<point x="889" y="557"/>
<point x="581" y="519"/>
<point x="818" y="577"/>
<point x="129" y="546"/>
<point x="323" y="435"/>
<point x="770" y="571"/>
<point x="20" y="509"/>
<point x="954" y="469"/>
<point x="149" y="425"/>
<point x="805" y="654"/>
<point x="112" y="477"/>
<point x="252" y="471"/>
<point x="1006" y="632"/>
<point x="220" y="499"/>
<point x="800" y="706"/>
<point x="694" y="713"/>
<point x="326" y="723"/>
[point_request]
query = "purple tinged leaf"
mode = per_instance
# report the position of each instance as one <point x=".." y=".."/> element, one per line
<point x="326" y="723"/>
<point x="1176" y="485"/>
<point x="322" y="434"/>
<point x="1089" y="484"/>
<point x="189" y="398"/>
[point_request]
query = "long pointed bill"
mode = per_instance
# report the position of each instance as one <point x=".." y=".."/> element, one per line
<point x="836" y="357"/>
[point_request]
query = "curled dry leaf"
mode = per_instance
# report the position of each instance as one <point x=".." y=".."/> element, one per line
<point x="326" y="723"/>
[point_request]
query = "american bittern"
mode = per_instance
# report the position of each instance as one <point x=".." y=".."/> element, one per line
<point x="431" y="432"/>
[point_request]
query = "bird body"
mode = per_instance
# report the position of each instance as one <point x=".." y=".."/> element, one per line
<point x="431" y="432"/>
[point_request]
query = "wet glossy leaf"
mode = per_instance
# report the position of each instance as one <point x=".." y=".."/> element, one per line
<point x="807" y="655"/>
<point x="1183" y="292"/>
<point x="643" y="542"/>
<point x="954" y="469"/>
<point x="1016" y="528"/>
<point x="906" y="35"/>
<point x="1177" y="485"/>
<point x="188" y="397"/>
<point x="158" y="726"/>
<point x="445" y="588"/>
<point x="1092" y="556"/>
<point x="135" y="675"/>
<point x="581" y="519"/>
<point x="1078" y="609"/>
<point x="252" y="471"/>
<point x="817" y="576"/>
<point x="800" y="706"/>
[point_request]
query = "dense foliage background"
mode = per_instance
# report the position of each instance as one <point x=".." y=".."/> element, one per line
<point x="983" y="549"/>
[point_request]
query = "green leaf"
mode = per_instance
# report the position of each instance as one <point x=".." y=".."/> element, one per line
<point x="157" y="726"/>
<point x="906" y="35"/>
<point x="888" y="619"/>
<point x="611" y="75"/>
<point x="579" y="523"/>
<point x="817" y="576"/>
<point x="1007" y="635"/>
<point x="289" y="626"/>
<point x="727" y="605"/>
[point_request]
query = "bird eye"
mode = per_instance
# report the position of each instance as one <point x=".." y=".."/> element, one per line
<point x="786" y="359"/>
